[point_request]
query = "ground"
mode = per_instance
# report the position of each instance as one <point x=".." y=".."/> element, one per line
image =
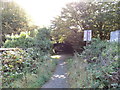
<point x="59" y="78"/>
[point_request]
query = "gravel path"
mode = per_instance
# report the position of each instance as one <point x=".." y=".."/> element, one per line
<point x="59" y="78"/>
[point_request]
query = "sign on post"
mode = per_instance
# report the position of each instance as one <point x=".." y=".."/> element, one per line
<point x="87" y="35"/>
<point x="115" y="36"/>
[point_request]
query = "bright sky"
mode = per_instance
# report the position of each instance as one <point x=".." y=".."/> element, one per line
<point x="42" y="11"/>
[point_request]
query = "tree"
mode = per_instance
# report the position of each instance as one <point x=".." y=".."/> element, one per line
<point x="101" y="17"/>
<point x="102" y="20"/>
<point x="42" y="40"/>
<point x="14" y="19"/>
<point x="68" y="27"/>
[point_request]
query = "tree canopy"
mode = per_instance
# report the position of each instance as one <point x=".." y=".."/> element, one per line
<point x="14" y="19"/>
<point x="100" y="17"/>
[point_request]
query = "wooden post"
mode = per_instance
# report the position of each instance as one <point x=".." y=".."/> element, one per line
<point x="87" y="39"/>
<point x="87" y="42"/>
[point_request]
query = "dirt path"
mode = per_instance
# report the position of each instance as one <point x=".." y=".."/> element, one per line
<point x="59" y="78"/>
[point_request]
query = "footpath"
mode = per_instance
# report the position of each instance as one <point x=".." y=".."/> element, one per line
<point x="59" y="78"/>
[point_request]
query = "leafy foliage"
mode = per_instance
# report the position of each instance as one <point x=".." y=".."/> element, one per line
<point x="33" y="61"/>
<point x="100" y="17"/>
<point x="97" y="67"/>
<point x="14" y="18"/>
<point x="19" y="63"/>
<point x="75" y="39"/>
<point x="14" y="65"/>
<point x="42" y="40"/>
<point x="22" y="41"/>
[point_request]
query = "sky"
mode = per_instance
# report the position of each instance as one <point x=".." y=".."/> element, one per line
<point x="43" y="11"/>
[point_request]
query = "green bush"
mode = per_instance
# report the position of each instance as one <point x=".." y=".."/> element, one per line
<point x="18" y="64"/>
<point x="14" y="64"/>
<point x="22" y="41"/>
<point x="93" y="50"/>
<point x="31" y="64"/>
<point x="42" y="40"/>
<point x="97" y="67"/>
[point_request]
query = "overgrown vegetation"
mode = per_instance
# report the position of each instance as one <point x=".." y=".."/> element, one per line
<point x="29" y="63"/>
<point x="22" y="41"/>
<point x="97" y="67"/>
<point x="40" y="41"/>
<point x="21" y="70"/>
<point x="100" y="17"/>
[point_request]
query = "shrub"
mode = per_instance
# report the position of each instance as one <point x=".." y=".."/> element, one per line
<point x="18" y="64"/>
<point x="97" y="67"/>
<point x="14" y="65"/>
<point x="22" y="41"/>
<point x="27" y="61"/>
<point x="93" y="50"/>
<point x="42" y="40"/>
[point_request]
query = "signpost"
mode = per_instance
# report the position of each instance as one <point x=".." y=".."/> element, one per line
<point x="87" y="36"/>
<point x="115" y="36"/>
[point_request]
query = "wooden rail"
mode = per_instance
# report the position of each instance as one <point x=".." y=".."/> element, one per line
<point x="7" y="49"/>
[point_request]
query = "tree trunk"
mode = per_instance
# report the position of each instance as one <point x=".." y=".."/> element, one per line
<point x="101" y="36"/>
<point x="101" y="31"/>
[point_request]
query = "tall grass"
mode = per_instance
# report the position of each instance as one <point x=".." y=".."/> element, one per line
<point x="78" y="76"/>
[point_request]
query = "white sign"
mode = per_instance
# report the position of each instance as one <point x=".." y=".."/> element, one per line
<point x="87" y="35"/>
<point x="115" y="36"/>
